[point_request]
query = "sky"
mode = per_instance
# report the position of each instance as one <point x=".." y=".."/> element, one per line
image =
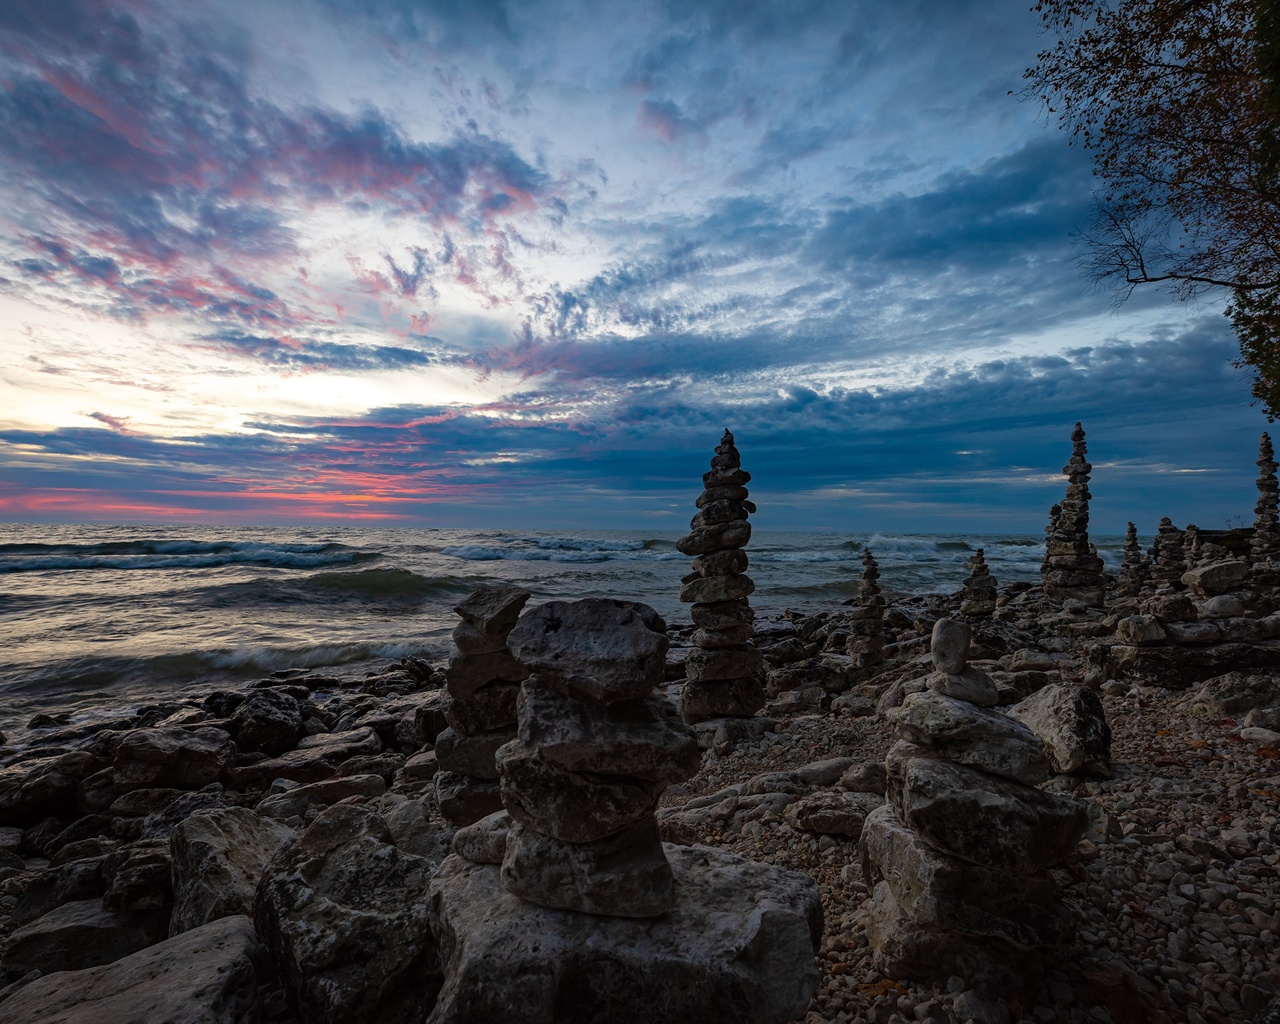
<point x="518" y="264"/>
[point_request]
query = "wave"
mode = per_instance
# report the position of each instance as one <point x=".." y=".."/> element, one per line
<point x="563" y="549"/>
<point x="176" y="554"/>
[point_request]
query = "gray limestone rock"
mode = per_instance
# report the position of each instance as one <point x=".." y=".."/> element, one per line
<point x="712" y="589"/>
<point x="493" y="706"/>
<point x="722" y="614"/>
<point x="206" y="976"/>
<point x="40" y="787"/>
<point x="597" y="649"/>
<point x="706" y="539"/>
<point x="949" y="647"/>
<point x="177" y="758"/>
<point x="301" y="799"/>
<point x="343" y="912"/>
<point x="723" y="663"/>
<point x="832" y="812"/>
<point x="1071" y="723"/>
<point x="218" y="857"/>
<point x="714" y="698"/>
<point x="731" y="561"/>
<point x="1232" y="694"/>
<point x="970" y="684"/>
<point x="463" y="798"/>
<point x="471" y="755"/>
<point x="1216" y="577"/>
<point x="469" y="672"/>
<point x="82" y="934"/>
<point x="971" y="735"/>
<point x="493" y="609"/>
<point x="1140" y="629"/>
<point x="484" y="841"/>
<point x="736" y="948"/>
<point x="269" y="721"/>
<point x="733" y="636"/>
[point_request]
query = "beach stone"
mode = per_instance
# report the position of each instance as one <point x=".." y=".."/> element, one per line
<point x="722" y="614"/>
<point x="723" y="663"/>
<point x="979" y="817"/>
<point x="218" y="858"/>
<point x="206" y="976"/>
<point x="139" y="877"/>
<point x="624" y="875"/>
<point x="949" y="646"/>
<point x="472" y="641"/>
<point x="713" y="589"/>
<point x="1071" y="723"/>
<point x="43" y="787"/>
<point x="945" y="892"/>
<point x="493" y="706"/>
<point x="301" y="799"/>
<point x="715" y="512"/>
<point x="268" y="721"/>
<point x="342" y="911"/>
<point x="706" y="539"/>
<point x="296" y="766"/>
<point x="832" y="812"/>
<point x="463" y="799"/>
<point x="570" y="806"/>
<point x="493" y="609"/>
<point x="1216" y="577"/>
<point x="1234" y="693"/>
<point x="1223" y="606"/>
<point x="734" y="636"/>
<point x="81" y="934"/>
<point x="725" y="478"/>
<point x="484" y="841"/>
<point x="66" y="883"/>
<point x="972" y="735"/>
<point x="971" y="684"/>
<point x="715" y="698"/>
<point x="597" y="649"/>
<point x="642" y="738"/>
<point x="138" y="803"/>
<point x="176" y="758"/>
<point x="730" y="562"/>
<point x="159" y="824"/>
<point x="471" y="755"/>
<point x="385" y="765"/>
<point x="730" y="493"/>
<point x="737" y="947"/>
<point x="469" y="672"/>
<point x="1140" y="629"/>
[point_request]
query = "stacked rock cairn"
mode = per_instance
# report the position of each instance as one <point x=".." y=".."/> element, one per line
<point x="1074" y="569"/>
<point x="482" y="683"/>
<point x="979" y="597"/>
<point x="595" y="750"/>
<point x="1192" y="545"/>
<point x="1136" y="568"/>
<point x="866" y="619"/>
<point x="1169" y="560"/>
<point x="1264" y="546"/>
<point x="1055" y="513"/>
<point x="724" y="672"/>
<point x="958" y="856"/>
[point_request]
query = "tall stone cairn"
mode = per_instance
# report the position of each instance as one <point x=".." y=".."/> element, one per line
<point x="1074" y="568"/>
<point x="979" y="597"/>
<point x="595" y="750"/>
<point x="1051" y="528"/>
<point x="482" y="683"/>
<point x="724" y="673"/>
<point x="1169" y="559"/>
<point x="1135" y="569"/>
<point x="1264" y="547"/>
<point x="958" y="856"/>
<point x="866" y="618"/>
<point x="1192" y="545"/>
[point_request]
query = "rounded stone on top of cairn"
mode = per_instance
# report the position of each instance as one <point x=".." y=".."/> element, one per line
<point x="595" y="749"/>
<point x="866" y="619"/>
<point x="1264" y="545"/>
<point x="724" y="673"/>
<point x="1136" y="568"/>
<point x="979" y="597"/>
<point x="482" y="683"/>
<point x="1072" y="566"/>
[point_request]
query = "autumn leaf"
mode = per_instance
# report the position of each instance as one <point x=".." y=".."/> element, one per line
<point x="1270" y="753"/>
<point x="872" y="989"/>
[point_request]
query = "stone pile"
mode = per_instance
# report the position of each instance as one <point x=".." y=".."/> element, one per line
<point x="1074" y="570"/>
<point x="1136" y="569"/>
<point x="482" y="682"/>
<point x="1192" y="545"/>
<point x="979" y="597"/>
<point x="959" y="855"/>
<point x="1169" y="558"/>
<point x="866" y="619"/>
<point x="1264" y="547"/>
<point x="724" y="672"/>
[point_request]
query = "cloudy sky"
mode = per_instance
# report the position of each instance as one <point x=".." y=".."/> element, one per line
<point x="495" y="262"/>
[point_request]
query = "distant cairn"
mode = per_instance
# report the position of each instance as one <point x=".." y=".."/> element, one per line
<point x="1169" y="557"/>
<point x="1072" y="568"/>
<point x="866" y="619"/>
<point x="979" y="597"/>
<point x="1264" y="547"/>
<point x="724" y="673"/>
<point x="1136" y="569"/>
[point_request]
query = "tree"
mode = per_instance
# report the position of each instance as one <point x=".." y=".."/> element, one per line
<point x="1177" y="101"/>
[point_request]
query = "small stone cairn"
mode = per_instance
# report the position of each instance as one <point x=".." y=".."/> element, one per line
<point x="1264" y="547"/>
<point x="1136" y="569"/>
<point x="725" y="673"/>
<point x="482" y="683"/>
<point x="1074" y="569"/>
<point x="958" y="856"/>
<point x="979" y="597"/>
<point x="1169" y="558"/>
<point x="866" y="619"/>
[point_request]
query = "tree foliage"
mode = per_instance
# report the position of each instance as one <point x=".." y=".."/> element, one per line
<point x="1177" y="101"/>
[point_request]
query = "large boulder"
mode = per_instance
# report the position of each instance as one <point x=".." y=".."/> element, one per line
<point x="44" y="787"/>
<point x="344" y="913"/>
<point x="1072" y="725"/>
<point x="82" y="934"/>
<point x="269" y="722"/>
<point x="1234" y="694"/>
<point x="177" y="758"/>
<point x="737" y="947"/>
<point x="218" y="858"/>
<point x="206" y="976"/>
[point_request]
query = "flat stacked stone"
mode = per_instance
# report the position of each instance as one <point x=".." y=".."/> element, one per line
<point x="1051" y="528"/>
<point x="866" y="619"/>
<point x="1192" y="546"/>
<point x="1169" y="559"/>
<point x="959" y="855"/>
<point x="482" y="683"/>
<point x="1073" y="568"/>
<point x="595" y="750"/>
<point x="979" y="596"/>
<point x="1264" y="546"/>
<point x="724" y="672"/>
<point x="1136" y="569"/>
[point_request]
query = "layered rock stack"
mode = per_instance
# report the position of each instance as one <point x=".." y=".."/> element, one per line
<point x="1051" y="528"/>
<point x="979" y="597"/>
<point x="866" y="619"/>
<point x="595" y="751"/>
<point x="1192" y="545"/>
<point x="1135" y="570"/>
<point x="482" y="682"/>
<point x="958" y="856"/>
<point x="725" y="673"/>
<point x="1074" y="569"/>
<point x="1264" y="547"/>
<point x="1169" y="559"/>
